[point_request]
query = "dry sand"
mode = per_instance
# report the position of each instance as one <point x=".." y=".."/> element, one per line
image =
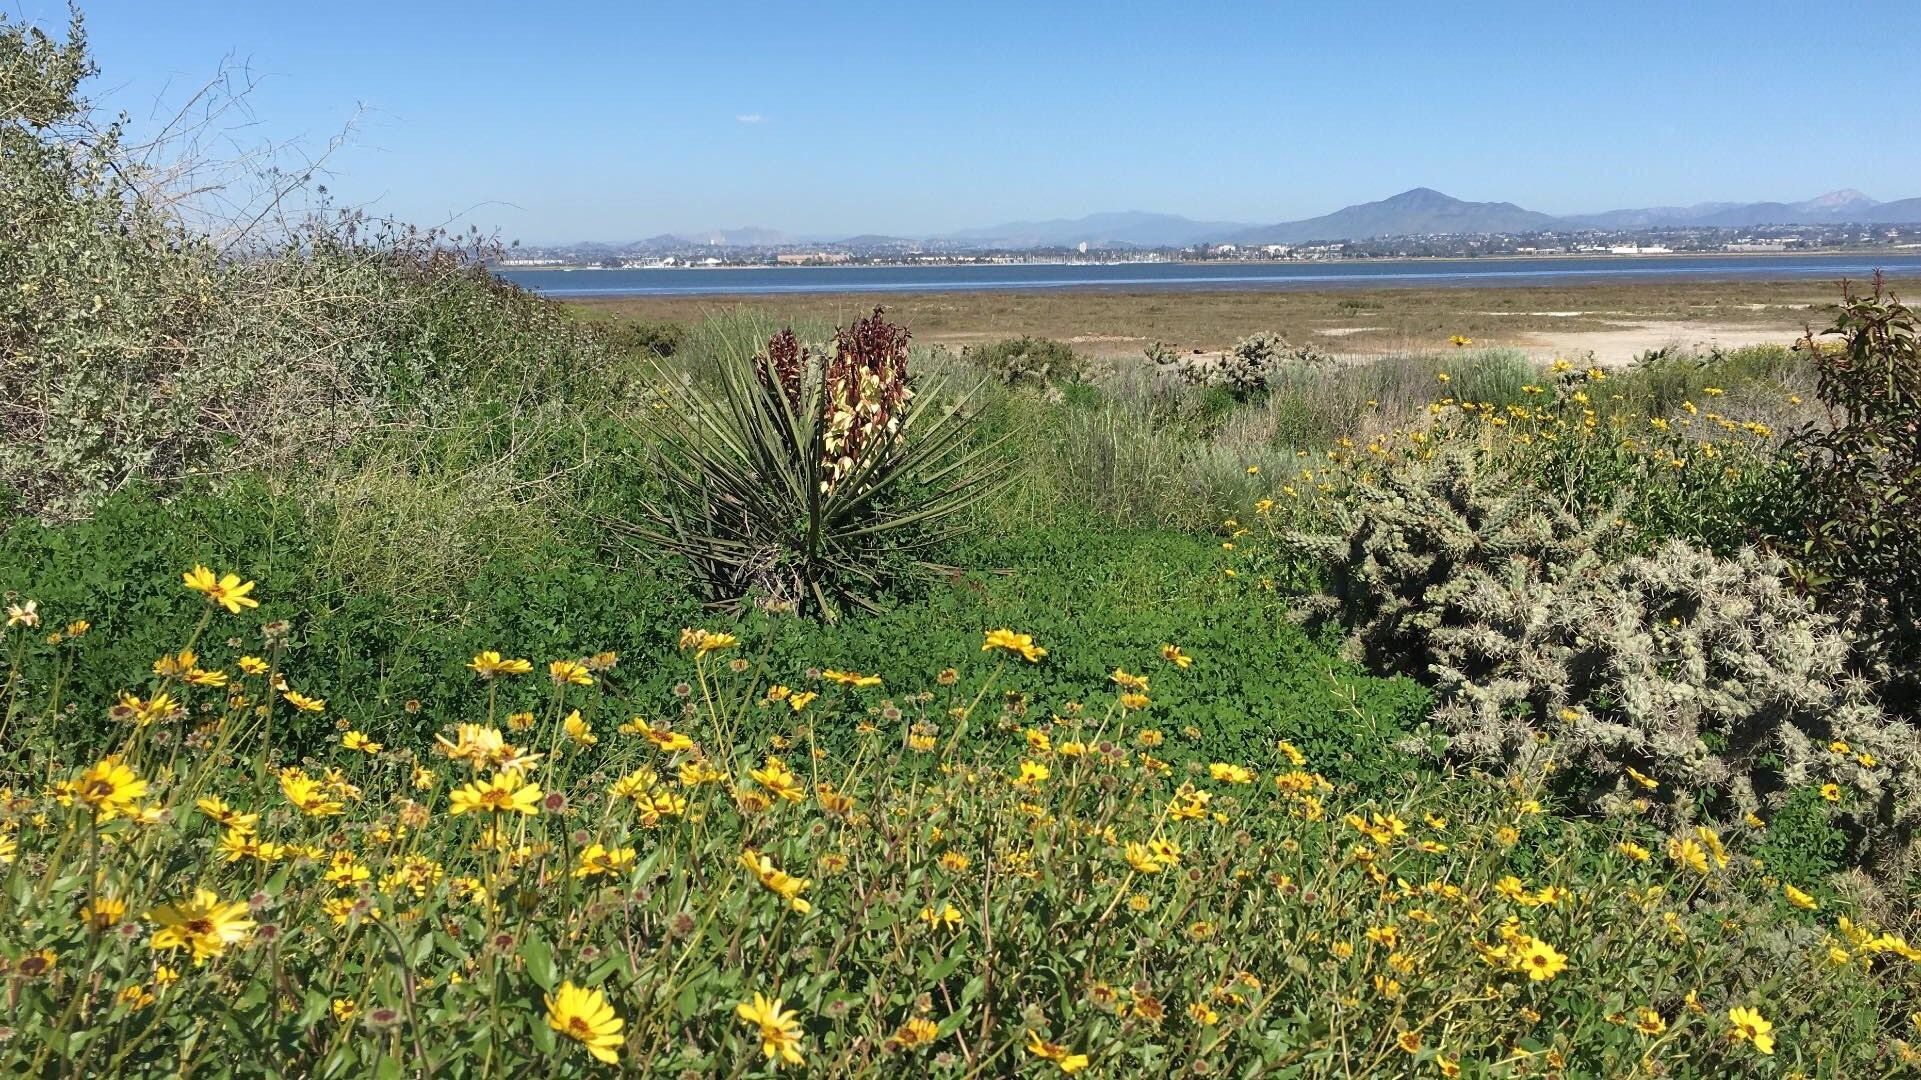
<point x="1621" y="346"/>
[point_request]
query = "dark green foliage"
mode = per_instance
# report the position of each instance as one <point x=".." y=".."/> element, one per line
<point x="1855" y="527"/>
<point x="1095" y="599"/>
<point x="1099" y="600"/>
<point x="367" y="653"/>
<point x="647" y="338"/>
<point x="1803" y="845"/>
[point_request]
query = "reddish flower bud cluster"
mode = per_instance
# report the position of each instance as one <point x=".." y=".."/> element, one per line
<point x="863" y="387"/>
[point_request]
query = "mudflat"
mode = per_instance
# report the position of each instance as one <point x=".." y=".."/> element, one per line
<point x="1613" y="322"/>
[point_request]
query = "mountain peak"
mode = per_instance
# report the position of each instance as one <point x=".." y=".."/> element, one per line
<point x="1834" y="200"/>
<point x="1413" y="212"/>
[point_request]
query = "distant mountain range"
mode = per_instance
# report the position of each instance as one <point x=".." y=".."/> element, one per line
<point x="1418" y="212"/>
<point x="1846" y="206"/>
<point x="1411" y="213"/>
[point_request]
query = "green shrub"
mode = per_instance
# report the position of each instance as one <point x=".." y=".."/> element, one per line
<point x="94" y="287"/>
<point x="1490" y="376"/>
<point x="1177" y="464"/>
<point x="1854" y="524"/>
<point x="1662" y="384"/>
<point x="647" y="337"/>
<point x="716" y="343"/>
<point x="1690" y="478"/>
<point x="134" y="349"/>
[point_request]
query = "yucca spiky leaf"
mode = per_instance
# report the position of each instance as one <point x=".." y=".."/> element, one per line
<point x="802" y="481"/>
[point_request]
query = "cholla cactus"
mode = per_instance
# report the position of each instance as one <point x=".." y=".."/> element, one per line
<point x="1698" y="684"/>
<point x="1678" y="682"/>
<point x="1161" y="354"/>
<point x="1022" y="361"/>
<point x="1244" y="369"/>
<point x="1422" y="549"/>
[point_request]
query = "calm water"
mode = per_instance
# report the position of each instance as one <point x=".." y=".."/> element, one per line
<point x="1178" y="276"/>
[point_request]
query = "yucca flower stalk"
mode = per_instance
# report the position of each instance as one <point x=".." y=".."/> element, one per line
<point x="801" y="482"/>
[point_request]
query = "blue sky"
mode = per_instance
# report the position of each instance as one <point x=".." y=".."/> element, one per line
<point x="564" y="121"/>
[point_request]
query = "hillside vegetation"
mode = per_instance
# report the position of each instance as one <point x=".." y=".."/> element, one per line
<point x="403" y="675"/>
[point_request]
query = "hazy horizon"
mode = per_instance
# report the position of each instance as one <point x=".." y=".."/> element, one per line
<point x="607" y="122"/>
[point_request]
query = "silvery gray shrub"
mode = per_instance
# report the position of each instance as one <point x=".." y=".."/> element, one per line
<point x="1677" y="681"/>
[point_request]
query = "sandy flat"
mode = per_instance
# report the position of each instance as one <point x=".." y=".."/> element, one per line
<point x="1620" y="347"/>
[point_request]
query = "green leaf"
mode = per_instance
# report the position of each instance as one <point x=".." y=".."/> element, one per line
<point x="539" y="957"/>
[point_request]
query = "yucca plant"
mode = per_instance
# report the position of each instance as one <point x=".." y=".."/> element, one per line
<point x="801" y="482"/>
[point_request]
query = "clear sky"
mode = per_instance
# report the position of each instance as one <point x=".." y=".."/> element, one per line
<point x="616" y="120"/>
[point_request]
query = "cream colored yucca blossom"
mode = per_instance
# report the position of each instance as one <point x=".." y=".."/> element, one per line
<point x="25" y="613"/>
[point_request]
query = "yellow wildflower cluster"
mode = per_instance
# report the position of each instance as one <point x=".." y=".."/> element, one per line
<point x="753" y="887"/>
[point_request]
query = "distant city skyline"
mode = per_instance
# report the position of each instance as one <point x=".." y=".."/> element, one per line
<point x="616" y="121"/>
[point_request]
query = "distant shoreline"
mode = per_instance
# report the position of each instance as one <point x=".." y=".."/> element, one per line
<point x="1186" y="277"/>
<point x="1331" y="261"/>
